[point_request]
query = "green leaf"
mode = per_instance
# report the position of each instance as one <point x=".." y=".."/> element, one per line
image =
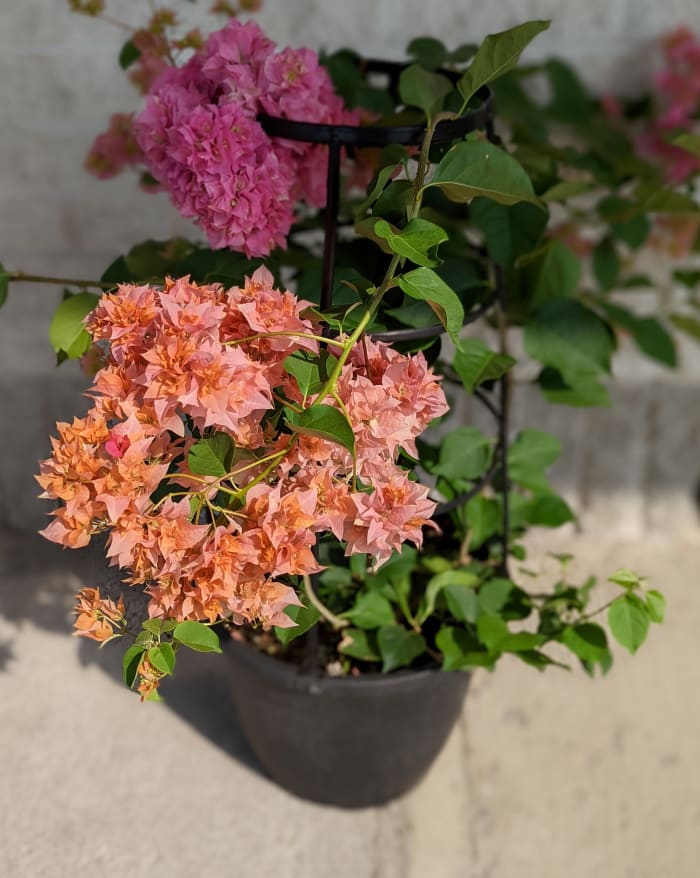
<point x="689" y="325"/>
<point x="651" y="198"/>
<point x="371" y="610"/>
<point x="376" y="187"/>
<point x="475" y="168"/>
<point x="484" y="518"/>
<point x="66" y="331"/>
<point x="4" y="284"/>
<point x="548" y="510"/>
<point x="626" y="223"/>
<point x="325" y="422"/>
<point x="460" y="649"/>
<point x="566" y="189"/>
<point x="493" y="595"/>
<point x="424" y="284"/>
<point x="128" y="55"/>
<point x="155" y="259"/>
<point x="689" y="142"/>
<point x="497" y="637"/>
<point x="465" y="454"/>
<point x="649" y="334"/>
<point x="130" y="664"/>
<point x="197" y="636"/>
<point x="606" y="264"/>
<point x="305" y="618"/>
<point x="510" y="231"/>
<point x="570" y="102"/>
<point x="567" y="336"/>
<point x="656" y="604"/>
<point x="556" y="390"/>
<point x="359" y="644"/>
<point x="158" y="626"/>
<point x="460" y="579"/>
<point x="628" y="618"/>
<point x="428" y="52"/>
<point x="492" y="632"/>
<point x="626" y="578"/>
<point x="498" y="54"/>
<point x="414" y="241"/>
<point x="421" y="88"/>
<point x="462" y="602"/>
<point x="398" y="647"/>
<point x="587" y="641"/>
<point x="208" y="457"/>
<point x="475" y="363"/>
<point x="306" y="371"/>
<point x="554" y="274"/>
<point x="162" y="657"/>
<point x="529" y="456"/>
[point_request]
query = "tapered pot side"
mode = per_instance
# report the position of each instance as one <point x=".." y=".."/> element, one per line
<point x="350" y="742"/>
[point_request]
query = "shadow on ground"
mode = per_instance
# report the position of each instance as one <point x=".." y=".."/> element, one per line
<point x="38" y="582"/>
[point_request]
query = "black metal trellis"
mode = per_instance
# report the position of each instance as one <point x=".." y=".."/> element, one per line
<point x="352" y="137"/>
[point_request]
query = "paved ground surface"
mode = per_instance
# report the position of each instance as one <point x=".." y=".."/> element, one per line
<point x="545" y="775"/>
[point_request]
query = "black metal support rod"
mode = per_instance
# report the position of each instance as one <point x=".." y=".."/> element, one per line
<point x="331" y="225"/>
<point x="503" y="421"/>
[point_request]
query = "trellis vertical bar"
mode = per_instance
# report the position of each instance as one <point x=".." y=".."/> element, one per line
<point x="331" y="224"/>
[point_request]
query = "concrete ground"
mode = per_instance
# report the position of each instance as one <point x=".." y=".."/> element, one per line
<point x="545" y="775"/>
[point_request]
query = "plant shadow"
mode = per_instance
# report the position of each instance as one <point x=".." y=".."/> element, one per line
<point x="38" y="581"/>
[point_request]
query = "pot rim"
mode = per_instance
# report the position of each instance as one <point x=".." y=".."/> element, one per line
<point x="290" y="676"/>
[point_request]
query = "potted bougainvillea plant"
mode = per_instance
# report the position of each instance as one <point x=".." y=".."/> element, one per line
<point x="269" y="461"/>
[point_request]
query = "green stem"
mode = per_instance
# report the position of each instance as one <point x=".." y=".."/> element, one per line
<point x="336" y="622"/>
<point x="23" y="277"/>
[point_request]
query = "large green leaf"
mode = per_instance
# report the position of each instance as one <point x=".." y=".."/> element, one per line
<point x="197" y="636"/>
<point x="424" y="89"/>
<point x="456" y="579"/>
<point x="67" y="332"/>
<point x="398" y="647"/>
<point x="461" y="649"/>
<point x="530" y="456"/>
<point x="586" y="640"/>
<point x="415" y="241"/>
<point x="649" y="334"/>
<point x="305" y="618"/>
<point x="465" y="454"/>
<point x="424" y="284"/>
<point x="498" y="54"/>
<point x="554" y="273"/>
<point x="629" y="619"/>
<point x="359" y="644"/>
<point x="209" y="456"/>
<point x="371" y="610"/>
<point x="484" y="519"/>
<point x="477" y="168"/>
<point x="567" y="336"/>
<point x="510" y="231"/>
<point x="326" y="422"/>
<point x="475" y="363"/>
<point x="655" y="199"/>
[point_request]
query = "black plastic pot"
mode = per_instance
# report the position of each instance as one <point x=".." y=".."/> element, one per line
<point x="349" y="742"/>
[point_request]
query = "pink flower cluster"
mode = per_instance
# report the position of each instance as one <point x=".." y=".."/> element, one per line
<point x="679" y="88"/>
<point x="115" y="149"/>
<point x="188" y="363"/>
<point x="201" y="139"/>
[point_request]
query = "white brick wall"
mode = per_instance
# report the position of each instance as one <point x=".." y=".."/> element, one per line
<point x="59" y="82"/>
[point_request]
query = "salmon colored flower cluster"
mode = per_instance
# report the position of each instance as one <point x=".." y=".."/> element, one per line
<point x="98" y="618"/>
<point x="195" y="458"/>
